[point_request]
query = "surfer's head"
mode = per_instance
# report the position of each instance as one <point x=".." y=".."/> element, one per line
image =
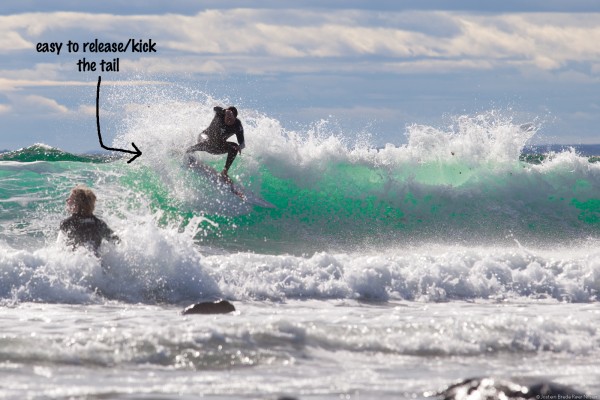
<point x="230" y="115"/>
<point x="82" y="201"/>
<point x="233" y="110"/>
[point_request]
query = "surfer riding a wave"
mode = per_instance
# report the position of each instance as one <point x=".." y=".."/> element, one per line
<point x="213" y="139"/>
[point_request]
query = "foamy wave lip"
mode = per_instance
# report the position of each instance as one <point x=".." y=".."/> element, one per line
<point x="156" y="265"/>
<point x="36" y="147"/>
<point x="44" y="146"/>
<point x="163" y="123"/>
<point x="153" y="265"/>
<point x="423" y="275"/>
<point x="166" y="121"/>
<point x="50" y="274"/>
<point x="482" y="138"/>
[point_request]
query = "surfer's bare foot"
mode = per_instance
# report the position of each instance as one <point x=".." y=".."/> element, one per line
<point x="225" y="177"/>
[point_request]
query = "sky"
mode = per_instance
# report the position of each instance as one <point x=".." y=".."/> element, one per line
<point x="366" y="66"/>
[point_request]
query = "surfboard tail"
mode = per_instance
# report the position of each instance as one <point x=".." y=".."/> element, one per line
<point x="245" y="195"/>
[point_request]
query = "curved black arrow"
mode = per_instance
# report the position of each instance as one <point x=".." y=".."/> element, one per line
<point x="137" y="151"/>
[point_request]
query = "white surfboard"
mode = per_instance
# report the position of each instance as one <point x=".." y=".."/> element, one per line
<point x="214" y="176"/>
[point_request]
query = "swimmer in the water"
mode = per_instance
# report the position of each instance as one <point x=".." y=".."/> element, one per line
<point x="83" y="228"/>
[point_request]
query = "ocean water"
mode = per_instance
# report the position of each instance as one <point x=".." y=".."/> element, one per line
<point x="383" y="272"/>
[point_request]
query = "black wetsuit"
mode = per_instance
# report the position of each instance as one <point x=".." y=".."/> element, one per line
<point x="213" y="139"/>
<point x="86" y="231"/>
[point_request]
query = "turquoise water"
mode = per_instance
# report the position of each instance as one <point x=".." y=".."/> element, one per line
<point x="331" y="204"/>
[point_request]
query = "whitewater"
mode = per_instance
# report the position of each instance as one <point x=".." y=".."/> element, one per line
<point x="383" y="272"/>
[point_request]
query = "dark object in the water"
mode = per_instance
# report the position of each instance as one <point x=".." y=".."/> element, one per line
<point x="217" y="307"/>
<point x="513" y="389"/>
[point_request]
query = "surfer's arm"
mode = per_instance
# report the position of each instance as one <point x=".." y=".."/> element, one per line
<point x="239" y="135"/>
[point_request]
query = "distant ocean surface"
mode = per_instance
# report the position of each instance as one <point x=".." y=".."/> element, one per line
<point x="386" y="272"/>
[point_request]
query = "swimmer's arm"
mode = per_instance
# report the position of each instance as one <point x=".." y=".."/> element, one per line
<point x="111" y="236"/>
<point x="114" y="238"/>
<point x="108" y="233"/>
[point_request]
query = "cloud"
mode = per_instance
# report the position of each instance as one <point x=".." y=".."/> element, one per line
<point x="11" y="41"/>
<point x="437" y="66"/>
<point x="176" y="65"/>
<point x="33" y="105"/>
<point x="13" y="85"/>
<point x="36" y="104"/>
<point x="86" y="110"/>
<point x="214" y="40"/>
<point x="5" y="108"/>
<point x="544" y="41"/>
<point x="36" y="26"/>
<point x="40" y="71"/>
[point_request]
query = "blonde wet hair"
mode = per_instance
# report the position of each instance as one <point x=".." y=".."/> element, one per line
<point x="83" y="200"/>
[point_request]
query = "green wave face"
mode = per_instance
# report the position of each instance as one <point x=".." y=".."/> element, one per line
<point x="339" y="205"/>
<point x="473" y="184"/>
<point x="348" y="205"/>
<point x="40" y="152"/>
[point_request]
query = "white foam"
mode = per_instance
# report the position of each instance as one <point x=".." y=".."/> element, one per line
<point x="424" y="274"/>
<point x="163" y="123"/>
<point x="156" y="264"/>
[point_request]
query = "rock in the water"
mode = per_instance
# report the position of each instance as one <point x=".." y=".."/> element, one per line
<point x="217" y="307"/>
<point x="513" y="389"/>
